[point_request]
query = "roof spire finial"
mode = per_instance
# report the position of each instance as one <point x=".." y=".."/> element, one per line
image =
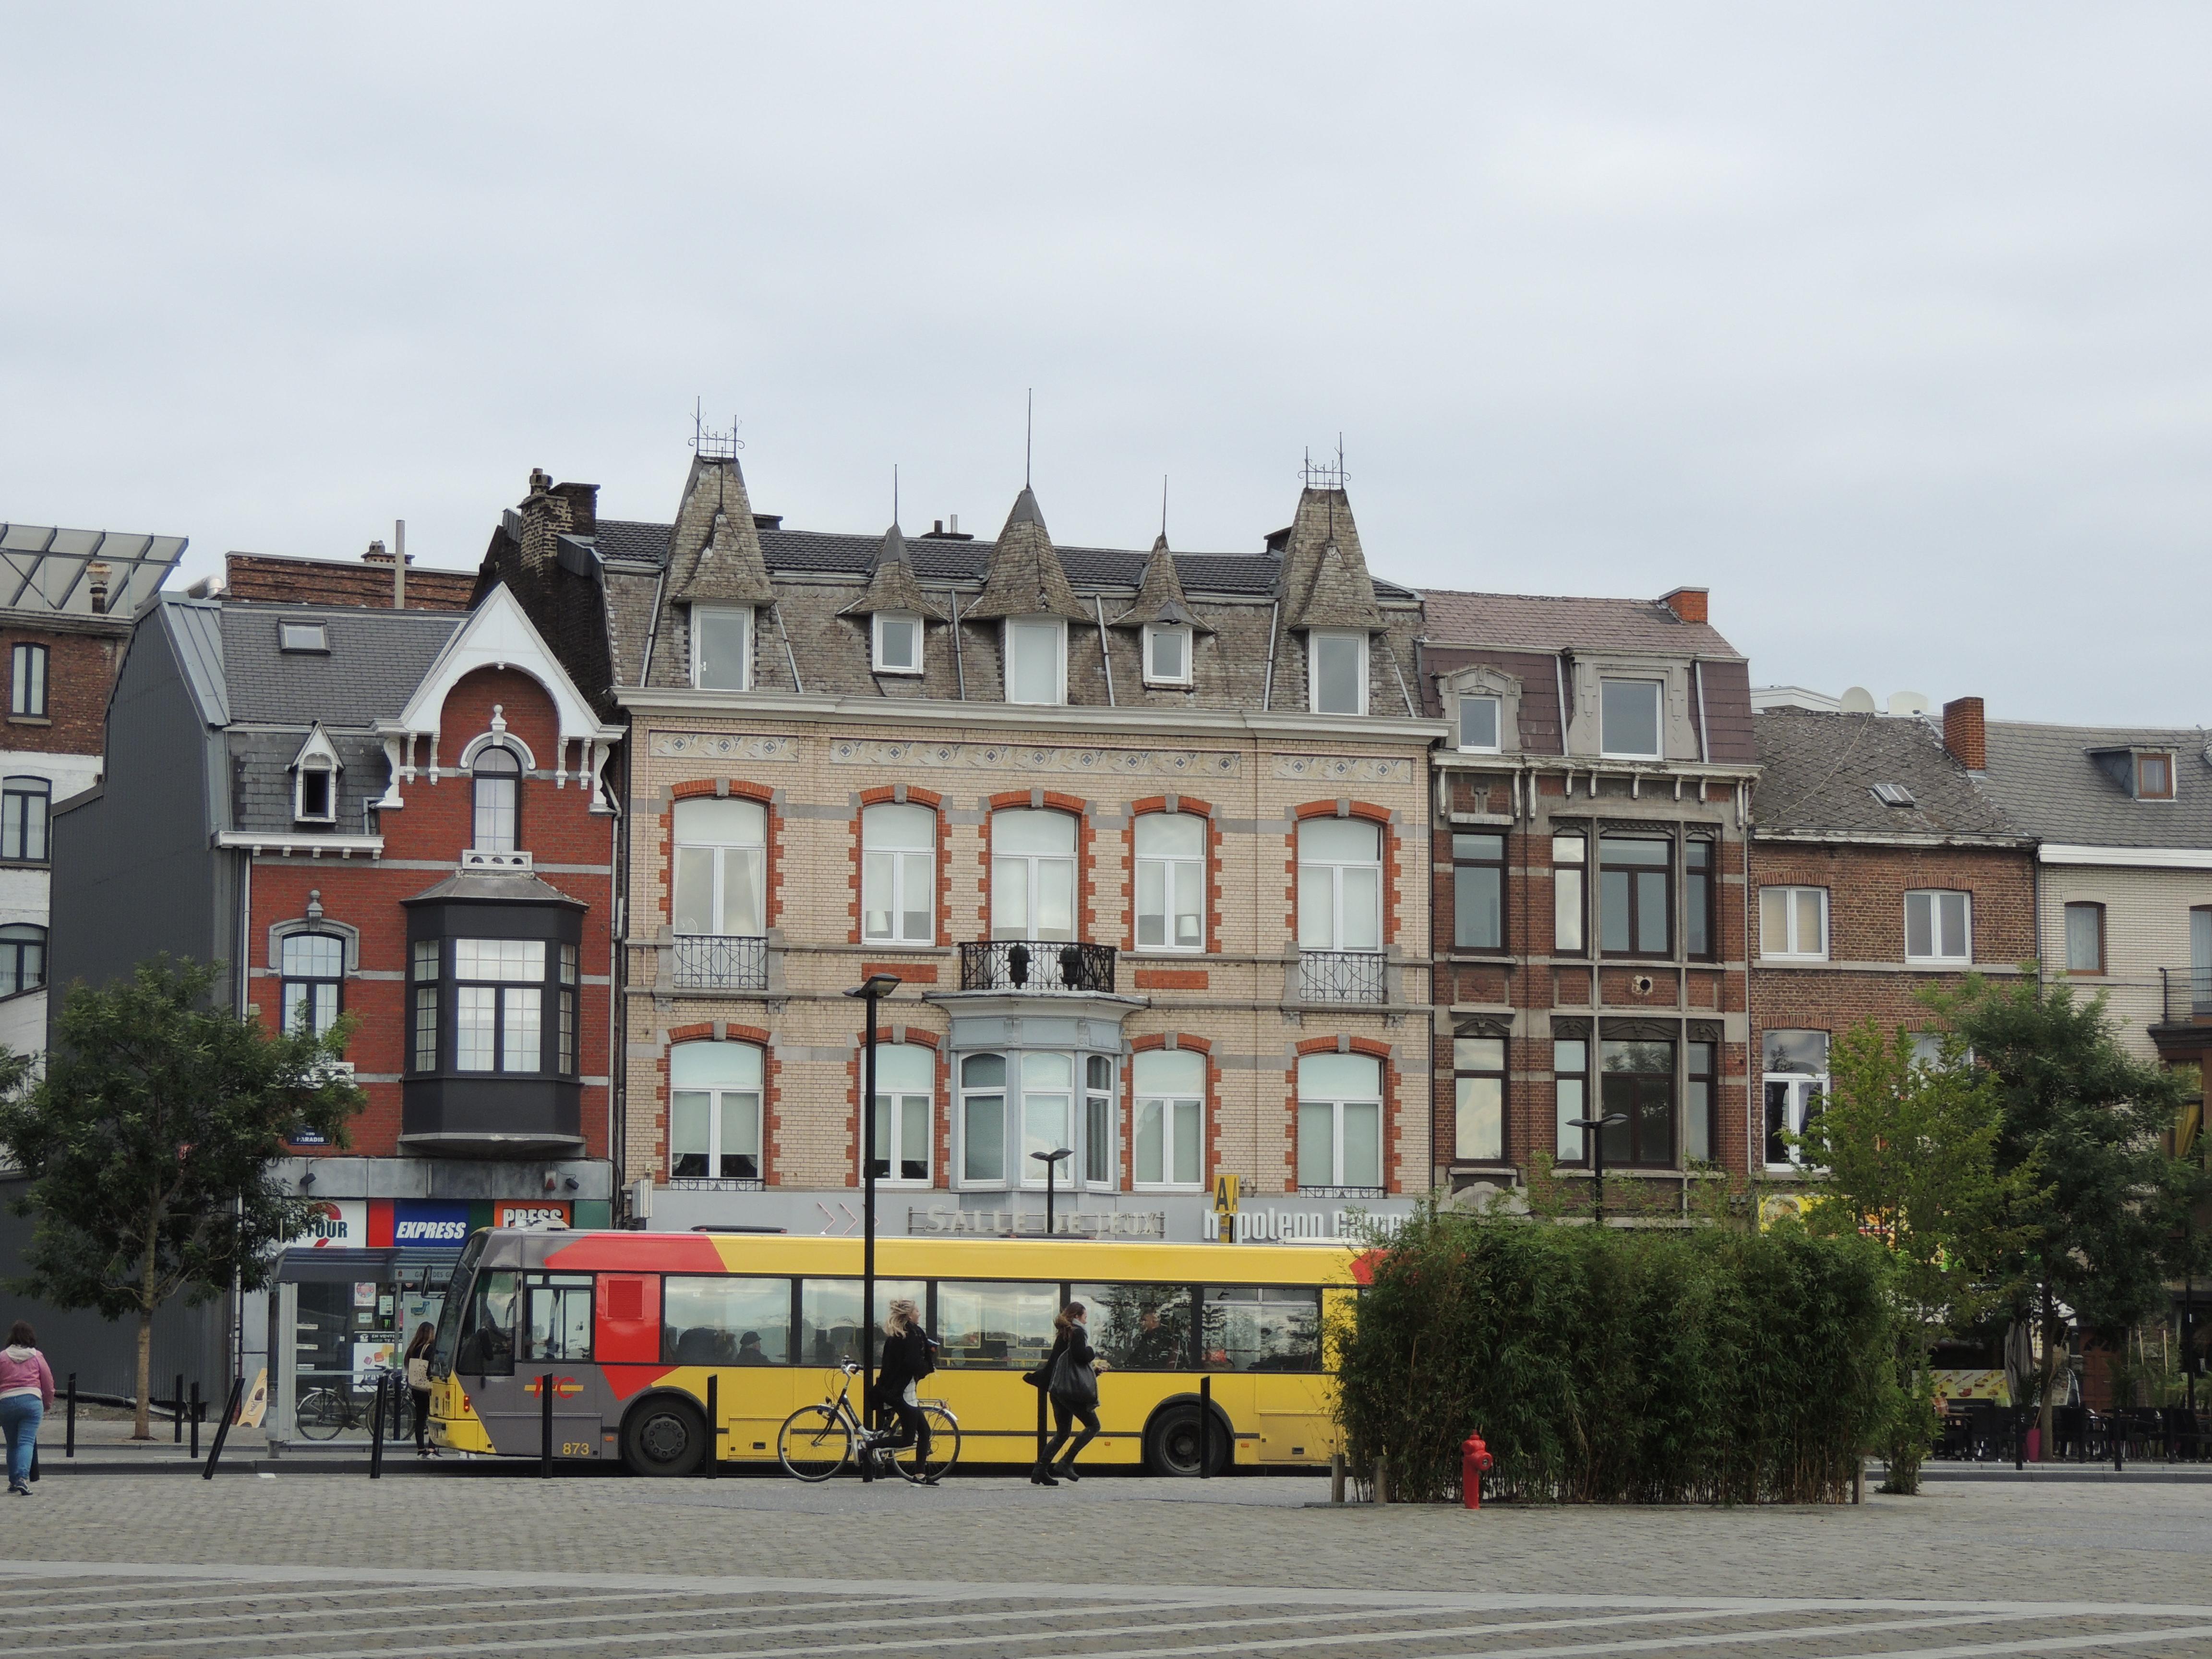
<point x="1028" y="434"/>
<point x="894" y="492"/>
<point x="1163" y="506"/>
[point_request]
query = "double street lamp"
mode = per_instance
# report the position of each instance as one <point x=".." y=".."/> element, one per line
<point x="1594" y="1130"/>
<point x="878" y="987"/>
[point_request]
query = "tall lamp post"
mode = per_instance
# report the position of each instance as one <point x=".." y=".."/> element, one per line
<point x="878" y="987"/>
<point x="1594" y="1130"/>
<point x="1051" y="1162"/>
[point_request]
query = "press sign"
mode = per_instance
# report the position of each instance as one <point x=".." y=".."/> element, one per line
<point x="530" y="1215"/>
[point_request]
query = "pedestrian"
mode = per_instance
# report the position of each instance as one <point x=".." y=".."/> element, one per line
<point x="27" y="1389"/>
<point x="908" y="1356"/>
<point x="418" y="1384"/>
<point x="1071" y="1382"/>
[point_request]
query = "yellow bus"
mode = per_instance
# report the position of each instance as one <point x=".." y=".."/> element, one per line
<point x="625" y="1329"/>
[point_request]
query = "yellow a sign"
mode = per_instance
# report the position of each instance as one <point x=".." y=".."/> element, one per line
<point x="1224" y="1195"/>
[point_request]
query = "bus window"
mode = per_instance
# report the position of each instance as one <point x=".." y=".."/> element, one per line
<point x="830" y="1316"/>
<point x="726" y="1321"/>
<point x="559" y="1327"/>
<point x="1265" y="1328"/>
<point x="487" y="1327"/>
<point x="1140" y="1327"/>
<point x="457" y="1298"/>
<point x="996" y="1325"/>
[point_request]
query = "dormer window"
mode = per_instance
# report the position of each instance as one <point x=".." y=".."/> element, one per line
<point x="2153" y="777"/>
<point x="722" y="647"/>
<point x="1477" y="724"/>
<point x="1037" y="660"/>
<point x="898" y="642"/>
<point x="307" y="637"/>
<point x="1628" y="720"/>
<point x="1167" y="654"/>
<point x="315" y="794"/>
<point x="1336" y="671"/>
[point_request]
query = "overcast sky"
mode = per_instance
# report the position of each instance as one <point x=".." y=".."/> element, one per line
<point x="1890" y="325"/>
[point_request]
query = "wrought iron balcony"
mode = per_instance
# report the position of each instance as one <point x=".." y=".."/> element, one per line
<point x="2185" y="994"/>
<point x="1341" y="976"/>
<point x="1015" y="965"/>
<point x="720" y="962"/>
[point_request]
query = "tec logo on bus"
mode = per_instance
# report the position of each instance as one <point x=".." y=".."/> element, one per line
<point x="564" y="1387"/>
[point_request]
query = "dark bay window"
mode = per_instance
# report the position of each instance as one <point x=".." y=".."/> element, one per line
<point x="1634" y="875"/>
<point x="1638" y="1081"/>
<point x="1478" y="893"/>
<point x="499" y="1004"/>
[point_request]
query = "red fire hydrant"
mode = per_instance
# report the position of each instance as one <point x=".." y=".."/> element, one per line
<point x="1474" y="1459"/>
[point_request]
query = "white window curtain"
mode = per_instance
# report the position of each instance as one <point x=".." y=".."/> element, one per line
<point x="722" y="857"/>
<point x="1037" y="660"/>
<point x="898" y="862"/>
<point x="715" y="1111"/>
<point x="906" y="1090"/>
<point x="1339" y="1121"/>
<point x="1168" y="1140"/>
<point x="721" y="647"/>
<point x="1171" y="882"/>
<point x="1032" y="874"/>
<point x="1340" y="884"/>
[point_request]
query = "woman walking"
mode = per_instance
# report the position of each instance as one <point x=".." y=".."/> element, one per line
<point x="418" y="1384"/>
<point x="27" y="1389"/>
<point x="1071" y="1380"/>
<point x="906" y="1359"/>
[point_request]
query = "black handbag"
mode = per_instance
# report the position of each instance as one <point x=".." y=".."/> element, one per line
<point x="1073" y="1384"/>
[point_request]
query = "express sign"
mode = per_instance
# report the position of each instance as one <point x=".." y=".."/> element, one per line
<point x="436" y="1224"/>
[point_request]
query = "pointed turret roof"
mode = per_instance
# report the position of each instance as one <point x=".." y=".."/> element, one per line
<point x="893" y="586"/>
<point x="1325" y="580"/>
<point x="1024" y="578"/>
<point x="713" y="549"/>
<point x="1159" y="594"/>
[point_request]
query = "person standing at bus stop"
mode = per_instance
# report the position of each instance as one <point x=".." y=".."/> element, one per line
<point x="906" y="1359"/>
<point x="1070" y="1381"/>
<point x="26" y="1390"/>
<point x="418" y="1384"/>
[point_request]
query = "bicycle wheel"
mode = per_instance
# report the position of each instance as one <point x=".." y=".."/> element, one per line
<point x="814" y="1443"/>
<point x="321" y="1414"/>
<point x="943" y="1448"/>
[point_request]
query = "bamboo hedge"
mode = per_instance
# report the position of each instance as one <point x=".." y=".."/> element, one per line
<point x="1616" y="1366"/>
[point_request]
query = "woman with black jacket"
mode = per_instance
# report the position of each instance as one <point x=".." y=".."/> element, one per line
<point x="906" y="1360"/>
<point x="1071" y="1379"/>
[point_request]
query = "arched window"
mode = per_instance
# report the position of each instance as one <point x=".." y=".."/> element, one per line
<point x="24" y="804"/>
<point x="1169" y="1136"/>
<point x="22" y="957"/>
<point x="721" y="856"/>
<point x="1340" y="884"/>
<point x="1341" y="1123"/>
<point x="898" y="870"/>
<point x="313" y="967"/>
<point x="715" y="1111"/>
<point x="1171" y="882"/>
<point x="906" y="1090"/>
<point x="1032" y="874"/>
<point x="498" y="798"/>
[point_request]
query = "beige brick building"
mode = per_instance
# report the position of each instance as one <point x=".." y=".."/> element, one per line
<point x="1143" y="837"/>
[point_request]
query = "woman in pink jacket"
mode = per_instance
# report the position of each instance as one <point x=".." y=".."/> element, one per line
<point x="27" y="1389"/>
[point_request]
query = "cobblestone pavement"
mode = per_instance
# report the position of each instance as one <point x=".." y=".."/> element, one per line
<point x="329" y="1567"/>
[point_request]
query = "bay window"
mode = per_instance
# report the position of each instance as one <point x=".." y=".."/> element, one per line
<point x="1037" y="660"/>
<point x="898" y="869"/>
<point x="499" y="999"/>
<point x="1046" y="1084"/>
<point x="722" y="647"/>
<point x="1168" y="1138"/>
<point x="1340" y="1128"/>
<point x="1170" y="881"/>
<point x="906" y="1090"/>
<point x="1032" y="874"/>
<point x="715" y="1111"/>
<point x="1101" y="1169"/>
<point x="984" y="1119"/>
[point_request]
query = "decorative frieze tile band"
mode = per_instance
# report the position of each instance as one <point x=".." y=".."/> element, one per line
<point x="1344" y="769"/>
<point x="1029" y="757"/>
<point x="724" y="745"/>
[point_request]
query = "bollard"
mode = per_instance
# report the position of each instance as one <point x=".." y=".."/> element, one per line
<point x="376" y="1433"/>
<point x="1381" y="1481"/>
<point x="1858" y="1479"/>
<point x="68" y="1446"/>
<point x="1475" y="1461"/>
<point x="222" y="1429"/>
<point x="714" y="1423"/>
<point x="2119" y="1442"/>
<point x="1040" y="1458"/>
<point x="1206" y="1427"/>
<point x="196" y="1423"/>
<point x="545" y="1428"/>
<point x="179" y="1402"/>
<point x="1336" y="1477"/>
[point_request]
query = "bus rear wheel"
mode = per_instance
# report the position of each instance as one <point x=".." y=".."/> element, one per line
<point x="664" y="1437"/>
<point x="1174" y="1443"/>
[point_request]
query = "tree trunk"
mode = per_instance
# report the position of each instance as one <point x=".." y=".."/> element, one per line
<point x="142" y="1427"/>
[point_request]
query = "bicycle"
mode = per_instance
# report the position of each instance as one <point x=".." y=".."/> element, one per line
<point x="816" y="1441"/>
<point x="324" y="1414"/>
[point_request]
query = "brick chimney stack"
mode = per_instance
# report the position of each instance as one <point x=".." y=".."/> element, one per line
<point x="1964" y="734"/>
<point x="1687" y="602"/>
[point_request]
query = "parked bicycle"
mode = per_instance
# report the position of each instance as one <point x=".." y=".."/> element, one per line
<point x="325" y="1413"/>
<point x="816" y="1441"/>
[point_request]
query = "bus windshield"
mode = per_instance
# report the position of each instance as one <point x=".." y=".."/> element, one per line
<point x="449" y="1315"/>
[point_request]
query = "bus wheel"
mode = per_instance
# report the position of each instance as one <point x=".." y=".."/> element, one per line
<point x="1173" y="1443"/>
<point x="664" y="1436"/>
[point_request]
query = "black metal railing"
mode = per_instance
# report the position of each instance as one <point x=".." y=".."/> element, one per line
<point x="1015" y="965"/>
<point x="1341" y="976"/>
<point x="720" y="962"/>
<point x="2185" y="994"/>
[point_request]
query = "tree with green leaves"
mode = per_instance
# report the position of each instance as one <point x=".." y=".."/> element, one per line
<point x="149" y="1146"/>
<point x="1910" y="1150"/>
<point x="2102" y="1232"/>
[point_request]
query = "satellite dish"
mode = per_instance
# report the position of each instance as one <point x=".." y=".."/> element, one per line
<point x="1858" y="699"/>
<point x="1908" y="702"/>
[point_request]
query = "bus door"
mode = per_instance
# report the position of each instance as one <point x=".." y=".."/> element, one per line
<point x="555" y="1353"/>
<point x="483" y="1357"/>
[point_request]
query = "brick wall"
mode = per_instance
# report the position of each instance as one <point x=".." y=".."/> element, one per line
<point x="326" y="581"/>
<point x="79" y="669"/>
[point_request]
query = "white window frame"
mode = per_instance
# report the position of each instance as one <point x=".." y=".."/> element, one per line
<point x="1336" y="1105"/>
<point x="1177" y="871"/>
<point x="1605" y="749"/>
<point x="898" y="866"/>
<point x="1336" y="868"/>
<point x="962" y="1094"/>
<point x="300" y="982"/>
<point x="30" y="664"/>
<point x="1031" y="875"/>
<point x="893" y="1149"/>
<point x="329" y="774"/>
<point x="1154" y="631"/>
<point x="27" y="819"/>
<point x="1009" y="630"/>
<point x="1031" y="1174"/>
<point x="1171" y="1103"/>
<point x="1939" y="958"/>
<point x="1802" y="1086"/>
<point x="718" y="886"/>
<point x="745" y="614"/>
<point x="715" y="1093"/>
<point x="1795" y="950"/>
<point x="1097" y="1113"/>
<point x="1495" y="745"/>
<point x="1315" y="637"/>
<point x="875" y="630"/>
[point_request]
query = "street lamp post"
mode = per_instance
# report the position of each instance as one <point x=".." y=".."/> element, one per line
<point x="878" y="987"/>
<point x="1593" y="1130"/>
<point x="1051" y="1162"/>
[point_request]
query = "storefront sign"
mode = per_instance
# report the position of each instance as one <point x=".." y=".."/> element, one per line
<point x="418" y="1222"/>
<point x="339" y="1224"/>
<point x="1272" y="1226"/>
<point x="530" y="1214"/>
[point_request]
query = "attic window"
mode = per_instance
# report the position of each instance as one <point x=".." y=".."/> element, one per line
<point x="317" y="799"/>
<point x="1167" y="654"/>
<point x="302" y="636"/>
<point x="898" y="642"/>
<point x="2153" y="777"/>
<point x="1893" y="794"/>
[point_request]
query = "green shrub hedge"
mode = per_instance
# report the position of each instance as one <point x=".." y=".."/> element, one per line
<point x="1607" y="1365"/>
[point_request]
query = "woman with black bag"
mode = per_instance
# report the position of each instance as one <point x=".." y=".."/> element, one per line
<point x="1071" y="1382"/>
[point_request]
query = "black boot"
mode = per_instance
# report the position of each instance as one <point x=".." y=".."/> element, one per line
<point x="1041" y="1476"/>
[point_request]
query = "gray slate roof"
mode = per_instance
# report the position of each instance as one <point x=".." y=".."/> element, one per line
<point x="1529" y="622"/>
<point x="376" y="659"/>
<point x="1818" y="773"/>
<point x="2045" y="778"/>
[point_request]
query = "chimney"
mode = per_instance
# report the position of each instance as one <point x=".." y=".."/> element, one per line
<point x="96" y="576"/>
<point x="583" y="500"/>
<point x="1686" y="602"/>
<point x="1963" y="733"/>
<point x="377" y="554"/>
